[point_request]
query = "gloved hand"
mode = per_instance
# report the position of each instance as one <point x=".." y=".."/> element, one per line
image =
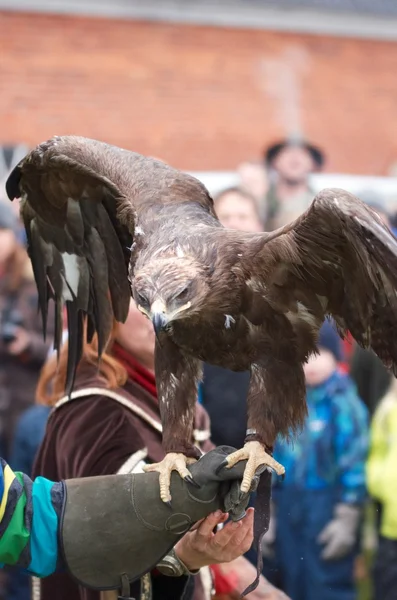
<point x="340" y="535"/>
<point x="270" y="536"/>
<point x="115" y="528"/>
<point x="235" y="501"/>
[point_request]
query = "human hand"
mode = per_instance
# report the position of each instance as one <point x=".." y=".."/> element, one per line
<point x="340" y="534"/>
<point x="20" y="343"/>
<point x="201" y="547"/>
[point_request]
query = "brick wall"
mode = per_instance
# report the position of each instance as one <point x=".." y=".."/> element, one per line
<point x="199" y="97"/>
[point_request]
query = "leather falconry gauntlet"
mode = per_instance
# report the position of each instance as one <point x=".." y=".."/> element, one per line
<point x="128" y="529"/>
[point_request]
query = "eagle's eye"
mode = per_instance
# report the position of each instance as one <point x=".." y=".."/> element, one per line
<point x="141" y="299"/>
<point x="183" y="294"/>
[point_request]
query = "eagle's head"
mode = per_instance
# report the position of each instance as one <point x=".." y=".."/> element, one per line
<point x="171" y="288"/>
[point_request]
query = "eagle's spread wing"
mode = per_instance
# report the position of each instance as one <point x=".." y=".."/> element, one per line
<point x="77" y="245"/>
<point x="338" y="259"/>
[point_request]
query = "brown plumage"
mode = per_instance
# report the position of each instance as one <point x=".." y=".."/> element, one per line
<point x="97" y="216"/>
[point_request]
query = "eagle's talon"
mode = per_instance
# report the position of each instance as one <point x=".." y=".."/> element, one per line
<point x="190" y="480"/>
<point x="168" y="503"/>
<point x="224" y="464"/>
<point x="173" y="461"/>
<point x="245" y="488"/>
<point x="242" y="495"/>
<point x="256" y="456"/>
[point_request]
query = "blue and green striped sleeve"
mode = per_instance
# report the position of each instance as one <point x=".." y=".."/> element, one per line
<point x="29" y="521"/>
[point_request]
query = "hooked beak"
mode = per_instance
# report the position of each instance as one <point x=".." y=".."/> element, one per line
<point x="158" y="316"/>
<point x="159" y="321"/>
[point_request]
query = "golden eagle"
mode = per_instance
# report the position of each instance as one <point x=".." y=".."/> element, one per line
<point x="102" y="222"/>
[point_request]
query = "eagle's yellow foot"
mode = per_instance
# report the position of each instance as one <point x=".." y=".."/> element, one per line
<point x="172" y="462"/>
<point x="256" y="455"/>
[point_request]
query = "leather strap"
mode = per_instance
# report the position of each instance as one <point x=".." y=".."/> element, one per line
<point x="98" y="391"/>
<point x="199" y="435"/>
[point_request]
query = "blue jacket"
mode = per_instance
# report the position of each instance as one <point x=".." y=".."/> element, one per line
<point x="331" y="451"/>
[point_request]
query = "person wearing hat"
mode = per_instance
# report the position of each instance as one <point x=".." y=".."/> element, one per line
<point x="313" y="540"/>
<point x="290" y="162"/>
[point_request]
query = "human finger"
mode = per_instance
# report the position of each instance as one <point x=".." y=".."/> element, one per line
<point x="221" y="522"/>
<point x="209" y="523"/>
<point x="223" y="518"/>
<point x="224" y="537"/>
<point x="247" y="527"/>
<point x="325" y="534"/>
<point x="247" y="541"/>
<point x="196" y="525"/>
<point x="227" y="535"/>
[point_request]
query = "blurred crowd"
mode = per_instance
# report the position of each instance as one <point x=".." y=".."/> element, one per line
<point x="333" y="528"/>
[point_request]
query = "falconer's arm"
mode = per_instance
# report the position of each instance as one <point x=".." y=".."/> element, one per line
<point x="77" y="524"/>
<point x="29" y="521"/>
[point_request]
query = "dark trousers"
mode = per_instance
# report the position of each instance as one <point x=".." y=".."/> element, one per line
<point x="298" y="566"/>
<point x="385" y="570"/>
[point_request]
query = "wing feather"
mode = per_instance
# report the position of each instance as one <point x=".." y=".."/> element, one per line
<point x="339" y="259"/>
<point x="55" y="285"/>
<point x="118" y="283"/>
<point x="76" y="243"/>
<point x="41" y="257"/>
<point x="75" y="342"/>
<point x="102" y="310"/>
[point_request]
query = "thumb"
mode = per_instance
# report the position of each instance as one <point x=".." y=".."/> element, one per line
<point x="328" y="553"/>
<point x="196" y="525"/>
<point x="325" y="535"/>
